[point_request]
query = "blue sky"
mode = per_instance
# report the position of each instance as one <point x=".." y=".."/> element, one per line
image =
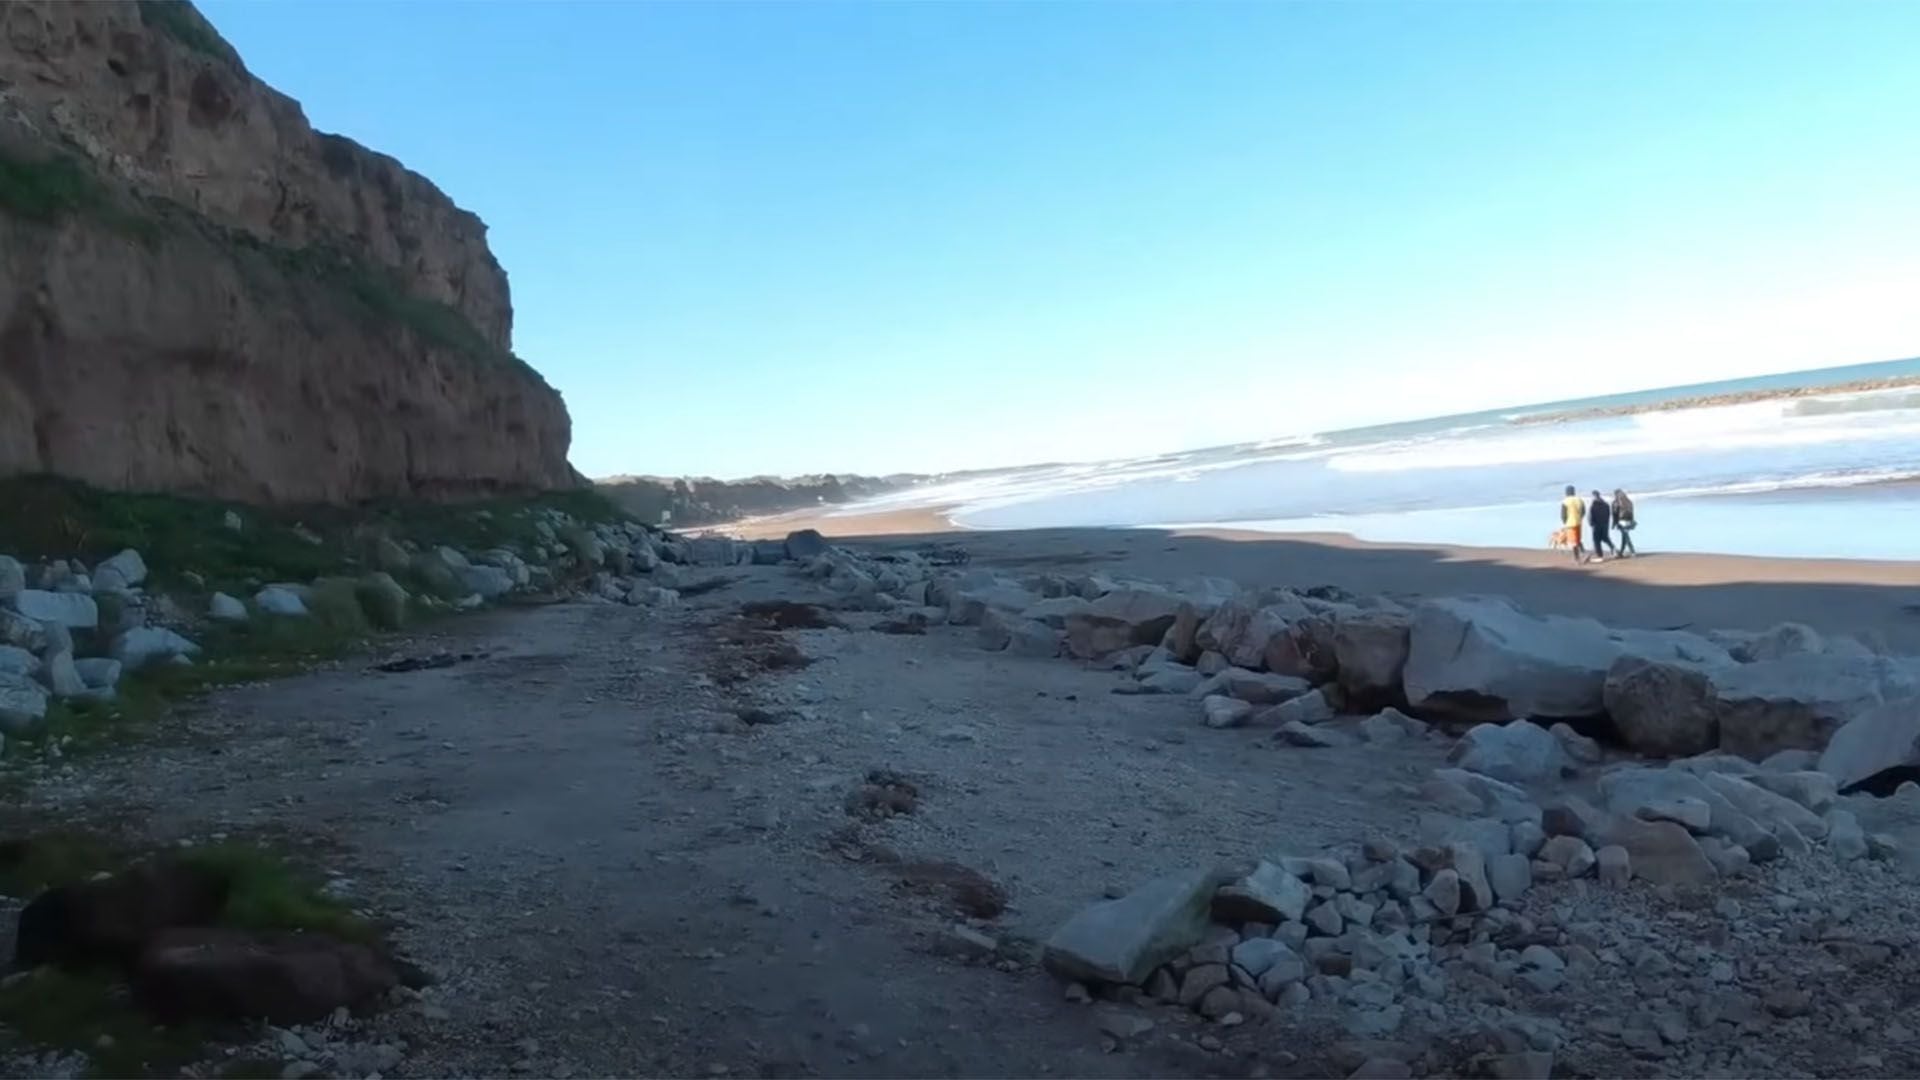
<point x="789" y="237"/>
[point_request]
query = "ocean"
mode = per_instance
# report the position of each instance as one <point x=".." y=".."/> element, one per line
<point x="1804" y="473"/>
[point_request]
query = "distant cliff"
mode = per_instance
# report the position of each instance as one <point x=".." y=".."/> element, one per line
<point x="686" y="502"/>
<point x="199" y="293"/>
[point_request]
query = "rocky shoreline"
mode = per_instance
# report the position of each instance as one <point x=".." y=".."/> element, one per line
<point x="1530" y="850"/>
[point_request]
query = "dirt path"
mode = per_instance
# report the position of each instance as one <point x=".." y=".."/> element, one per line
<point x="611" y="873"/>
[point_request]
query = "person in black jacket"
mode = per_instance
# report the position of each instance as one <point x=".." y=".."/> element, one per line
<point x="1600" y="521"/>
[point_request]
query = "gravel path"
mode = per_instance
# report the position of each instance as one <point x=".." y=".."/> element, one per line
<point x="610" y="872"/>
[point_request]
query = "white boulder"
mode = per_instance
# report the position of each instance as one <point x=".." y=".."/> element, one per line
<point x="1883" y="737"/>
<point x="73" y="610"/>
<point x="1482" y="657"/>
<point x="1517" y="752"/>
<point x="282" y="600"/>
<point x="146" y="645"/>
<point x="23" y="703"/>
<point x="224" y="608"/>
<point x="120" y="573"/>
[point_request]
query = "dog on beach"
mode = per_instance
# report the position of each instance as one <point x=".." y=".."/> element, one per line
<point x="1559" y="540"/>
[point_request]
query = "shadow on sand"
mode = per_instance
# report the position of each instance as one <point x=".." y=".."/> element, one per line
<point x="1886" y="615"/>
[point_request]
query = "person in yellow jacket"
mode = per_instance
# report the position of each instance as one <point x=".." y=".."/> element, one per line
<point x="1573" y="514"/>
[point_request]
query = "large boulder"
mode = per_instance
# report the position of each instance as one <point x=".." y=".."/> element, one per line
<point x="1519" y="752"/>
<point x="486" y="582"/>
<point x="283" y="600"/>
<point x="23" y="703"/>
<point x="1479" y="657"/>
<point x="61" y="676"/>
<point x="1244" y="633"/>
<point x="230" y="975"/>
<point x="1662" y="852"/>
<point x="98" y="672"/>
<point x="1784" y="640"/>
<point x="1883" y="737"/>
<point x="1054" y="610"/>
<point x="1182" y="639"/>
<point x="806" y="544"/>
<point x="1642" y="792"/>
<point x="1800" y="701"/>
<point x="1120" y="619"/>
<point x="383" y="600"/>
<point x="145" y="645"/>
<point x="224" y="608"/>
<point x="120" y="573"/>
<point x="1269" y="894"/>
<point x="17" y="661"/>
<point x="21" y="632"/>
<point x="969" y="607"/>
<point x="73" y="610"/>
<point x="1370" y="650"/>
<point x="1662" y="708"/>
<point x="1254" y="687"/>
<point x="1123" y="940"/>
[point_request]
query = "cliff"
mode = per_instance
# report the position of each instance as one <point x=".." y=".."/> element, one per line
<point x="199" y="293"/>
<point x="686" y="502"/>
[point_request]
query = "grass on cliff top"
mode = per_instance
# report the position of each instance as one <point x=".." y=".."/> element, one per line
<point x="52" y="517"/>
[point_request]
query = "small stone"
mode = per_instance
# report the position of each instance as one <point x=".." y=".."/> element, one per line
<point x="1325" y="918"/>
<point x="1845" y="838"/>
<point x="1684" y="810"/>
<point x="1788" y="1001"/>
<point x="1570" y="853"/>
<point x="1510" y="876"/>
<point x="1381" y="1069"/>
<point x="1201" y="981"/>
<point x="1578" y="746"/>
<point x="1221" y="711"/>
<point x="1527" y="837"/>
<point x="1124" y="1025"/>
<point x="1530" y="1065"/>
<point x="1077" y="993"/>
<point x="1295" y="733"/>
<point x="1443" y="892"/>
<point x="1614" y="868"/>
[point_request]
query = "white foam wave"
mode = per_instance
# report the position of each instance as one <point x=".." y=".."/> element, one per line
<point x="1753" y="426"/>
<point x="1810" y="481"/>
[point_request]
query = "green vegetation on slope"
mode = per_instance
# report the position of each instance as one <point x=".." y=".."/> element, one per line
<point x="59" y="187"/>
<point x="191" y="553"/>
<point x="50" y="189"/>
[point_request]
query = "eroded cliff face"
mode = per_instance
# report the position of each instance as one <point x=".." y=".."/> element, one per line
<point x="199" y="293"/>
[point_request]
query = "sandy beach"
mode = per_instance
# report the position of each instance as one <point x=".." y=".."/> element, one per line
<point x="1875" y="601"/>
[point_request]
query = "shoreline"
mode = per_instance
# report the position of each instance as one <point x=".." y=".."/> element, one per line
<point x="1877" y="600"/>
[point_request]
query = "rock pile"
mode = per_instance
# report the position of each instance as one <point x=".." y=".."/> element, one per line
<point x="1765" y="735"/>
<point x="68" y="633"/>
<point x="71" y="632"/>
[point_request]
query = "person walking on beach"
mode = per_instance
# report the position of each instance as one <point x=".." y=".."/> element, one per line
<point x="1600" y="516"/>
<point x="1573" y="512"/>
<point x="1623" y="521"/>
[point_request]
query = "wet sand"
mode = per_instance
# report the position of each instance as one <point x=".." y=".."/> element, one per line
<point x="1878" y="602"/>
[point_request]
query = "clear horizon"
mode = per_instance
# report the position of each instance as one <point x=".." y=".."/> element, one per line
<point x="862" y="238"/>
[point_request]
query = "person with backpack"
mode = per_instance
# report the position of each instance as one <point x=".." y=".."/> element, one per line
<point x="1623" y="521"/>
